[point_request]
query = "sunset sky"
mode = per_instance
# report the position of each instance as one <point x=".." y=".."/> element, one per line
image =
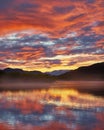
<point x="49" y="35"/>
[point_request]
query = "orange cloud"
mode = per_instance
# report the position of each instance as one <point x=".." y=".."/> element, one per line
<point x="50" y="17"/>
<point x="69" y="28"/>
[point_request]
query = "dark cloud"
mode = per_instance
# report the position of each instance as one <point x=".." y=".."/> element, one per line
<point x="75" y="17"/>
<point x="90" y="1"/>
<point x="63" y="10"/>
<point x="4" y="4"/>
<point x="27" y="7"/>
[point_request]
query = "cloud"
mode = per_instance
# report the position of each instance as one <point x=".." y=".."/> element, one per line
<point x="50" y="17"/>
<point x="5" y="4"/>
<point x="50" y="30"/>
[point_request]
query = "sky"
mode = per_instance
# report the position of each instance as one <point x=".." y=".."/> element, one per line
<point x="47" y="35"/>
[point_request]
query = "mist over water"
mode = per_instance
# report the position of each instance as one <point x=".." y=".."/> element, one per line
<point x="58" y="106"/>
<point x="93" y="87"/>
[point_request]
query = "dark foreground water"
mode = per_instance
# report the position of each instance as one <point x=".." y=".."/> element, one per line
<point x="51" y="109"/>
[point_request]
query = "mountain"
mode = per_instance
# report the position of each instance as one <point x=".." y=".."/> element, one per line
<point x="10" y="70"/>
<point x="57" y="72"/>
<point x="13" y="75"/>
<point x="92" y="72"/>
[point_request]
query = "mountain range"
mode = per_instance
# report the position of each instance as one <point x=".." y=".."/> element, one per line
<point x="92" y="72"/>
<point x="57" y="72"/>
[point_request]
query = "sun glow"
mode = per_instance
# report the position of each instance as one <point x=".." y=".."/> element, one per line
<point x="60" y="97"/>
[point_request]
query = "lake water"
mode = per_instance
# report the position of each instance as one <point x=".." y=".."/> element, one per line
<point x="51" y="109"/>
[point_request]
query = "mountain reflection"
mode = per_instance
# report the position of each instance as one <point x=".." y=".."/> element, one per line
<point x="58" y="109"/>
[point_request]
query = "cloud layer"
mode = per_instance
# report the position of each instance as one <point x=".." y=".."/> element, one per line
<point x="47" y="35"/>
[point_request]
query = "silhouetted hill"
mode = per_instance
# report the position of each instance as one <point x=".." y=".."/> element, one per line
<point x="13" y="75"/>
<point x="93" y="72"/>
<point x="10" y="70"/>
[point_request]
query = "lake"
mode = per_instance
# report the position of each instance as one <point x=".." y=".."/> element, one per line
<point x="51" y="109"/>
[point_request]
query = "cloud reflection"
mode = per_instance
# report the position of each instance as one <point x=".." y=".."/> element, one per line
<point x="48" y="109"/>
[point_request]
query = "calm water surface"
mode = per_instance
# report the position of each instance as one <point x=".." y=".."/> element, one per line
<point x="51" y="109"/>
